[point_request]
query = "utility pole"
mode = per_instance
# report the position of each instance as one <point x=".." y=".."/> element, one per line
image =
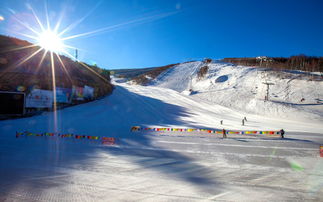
<point x="76" y="54"/>
<point x="267" y="91"/>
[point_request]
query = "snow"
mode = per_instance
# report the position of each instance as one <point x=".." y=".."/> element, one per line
<point x="242" y="89"/>
<point x="161" y="166"/>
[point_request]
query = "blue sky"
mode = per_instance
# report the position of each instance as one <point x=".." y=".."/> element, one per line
<point x="159" y="32"/>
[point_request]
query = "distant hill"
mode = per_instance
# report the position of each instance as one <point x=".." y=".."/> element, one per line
<point x="142" y="76"/>
<point x="130" y="73"/>
<point x="14" y="72"/>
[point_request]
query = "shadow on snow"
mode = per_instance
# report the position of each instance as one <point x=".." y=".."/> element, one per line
<point x="30" y="164"/>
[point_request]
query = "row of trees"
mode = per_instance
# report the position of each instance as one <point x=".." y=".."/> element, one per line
<point x="298" y="62"/>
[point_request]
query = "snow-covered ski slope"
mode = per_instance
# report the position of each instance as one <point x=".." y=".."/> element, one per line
<point x="158" y="166"/>
<point x="294" y="94"/>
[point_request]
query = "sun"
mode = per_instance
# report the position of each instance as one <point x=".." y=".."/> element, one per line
<point x="50" y="41"/>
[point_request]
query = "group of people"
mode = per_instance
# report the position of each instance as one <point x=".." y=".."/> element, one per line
<point x="243" y="121"/>
<point x="281" y="132"/>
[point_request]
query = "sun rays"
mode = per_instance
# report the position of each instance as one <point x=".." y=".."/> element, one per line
<point x="50" y="40"/>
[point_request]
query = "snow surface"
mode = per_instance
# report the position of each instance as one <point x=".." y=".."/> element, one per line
<point x="241" y="88"/>
<point x="163" y="166"/>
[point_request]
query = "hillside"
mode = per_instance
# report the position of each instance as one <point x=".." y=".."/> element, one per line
<point x="130" y="73"/>
<point x="146" y="77"/>
<point x="14" y="72"/>
<point x="294" y="95"/>
<point x="141" y="76"/>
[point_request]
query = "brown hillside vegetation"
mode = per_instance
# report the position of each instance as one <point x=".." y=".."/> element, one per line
<point x="14" y="72"/>
<point x="202" y="72"/>
<point x="146" y="77"/>
<point x="299" y="62"/>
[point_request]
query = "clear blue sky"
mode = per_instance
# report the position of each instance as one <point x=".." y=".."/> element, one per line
<point x="172" y="31"/>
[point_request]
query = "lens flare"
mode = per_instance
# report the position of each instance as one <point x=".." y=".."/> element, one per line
<point x="50" y="41"/>
<point x="21" y="88"/>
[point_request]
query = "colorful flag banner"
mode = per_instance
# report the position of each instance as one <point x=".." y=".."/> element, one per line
<point x="108" y="140"/>
<point x="104" y="140"/>
<point x="267" y="133"/>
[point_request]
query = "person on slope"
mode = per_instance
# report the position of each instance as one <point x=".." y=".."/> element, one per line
<point x="224" y="133"/>
<point x="282" y="132"/>
<point x="243" y="122"/>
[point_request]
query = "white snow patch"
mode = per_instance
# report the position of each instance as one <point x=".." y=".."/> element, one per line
<point x="294" y="95"/>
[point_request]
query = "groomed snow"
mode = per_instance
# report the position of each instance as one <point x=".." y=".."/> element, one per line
<point x="158" y="166"/>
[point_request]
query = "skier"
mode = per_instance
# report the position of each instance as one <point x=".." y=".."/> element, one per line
<point x="243" y="122"/>
<point x="282" y="132"/>
<point x="221" y="122"/>
<point x="224" y="133"/>
<point x="245" y="118"/>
